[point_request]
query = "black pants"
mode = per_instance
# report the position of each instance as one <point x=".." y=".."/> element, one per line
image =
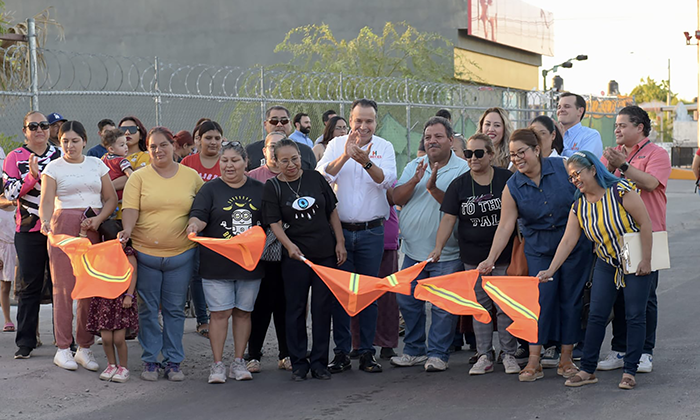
<point x="270" y="301"/>
<point x="33" y="259"/>
<point x="298" y="278"/>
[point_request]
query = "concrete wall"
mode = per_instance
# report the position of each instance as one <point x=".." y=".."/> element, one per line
<point x="220" y="32"/>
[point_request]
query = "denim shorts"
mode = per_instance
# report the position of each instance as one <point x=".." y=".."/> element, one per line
<point x="222" y="295"/>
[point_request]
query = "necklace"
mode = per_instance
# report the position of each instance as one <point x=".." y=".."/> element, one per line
<point x="296" y="193"/>
<point x="490" y="194"/>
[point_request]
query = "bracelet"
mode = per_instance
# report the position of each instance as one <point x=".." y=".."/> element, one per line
<point x="130" y="295"/>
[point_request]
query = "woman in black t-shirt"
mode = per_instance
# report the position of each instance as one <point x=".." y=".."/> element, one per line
<point x="474" y="199"/>
<point x="223" y="208"/>
<point x="303" y="201"/>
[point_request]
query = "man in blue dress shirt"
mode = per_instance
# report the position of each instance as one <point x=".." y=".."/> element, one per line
<point x="570" y="112"/>
<point x="302" y="123"/>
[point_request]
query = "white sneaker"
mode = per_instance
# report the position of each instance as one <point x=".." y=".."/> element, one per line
<point x="645" y="365"/>
<point x="109" y="371"/>
<point x="86" y="359"/>
<point x="122" y="375"/>
<point x="614" y="360"/>
<point x="510" y="364"/>
<point x="484" y="365"/>
<point x="217" y="373"/>
<point x="435" y="364"/>
<point x="98" y="341"/>
<point x="238" y="371"/>
<point x="406" y="360"/>
<point x="254" y="366"/>
<point x="64" y="359"/>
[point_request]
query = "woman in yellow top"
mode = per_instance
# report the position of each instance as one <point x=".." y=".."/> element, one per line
<point x="156" y="202"/>
<point x="605" y="209"/>
<point x="135" y="133"/>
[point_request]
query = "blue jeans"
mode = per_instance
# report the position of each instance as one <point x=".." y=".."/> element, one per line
<point x="603" y="295"/>
<point x="619" y="326"/>
<point x="162" y="283"/>
<point x="365" y="249"/>
<point x="198" y="300"/>
<point x="443" y="323"/>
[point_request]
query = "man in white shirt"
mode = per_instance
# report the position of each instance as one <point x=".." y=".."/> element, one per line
<point x="360" y="167"/>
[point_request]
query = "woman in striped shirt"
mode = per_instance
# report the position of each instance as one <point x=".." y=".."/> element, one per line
<point x="605" y="209"/>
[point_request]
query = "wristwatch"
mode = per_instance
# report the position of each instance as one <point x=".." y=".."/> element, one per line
<point x="368" y="165"/>
<point x="624" y="167"/>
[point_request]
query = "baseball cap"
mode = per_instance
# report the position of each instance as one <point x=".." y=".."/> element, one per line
<point x="55" y="117"/>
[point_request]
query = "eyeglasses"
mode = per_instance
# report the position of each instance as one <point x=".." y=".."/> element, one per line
<point x="33" y="126"/>
<point x="575" y="176"/>
<point x="129" y="129"/>
<point x="232" y="143"/>
<point x="519" y="154"/>
<point x="286" y="162"/>
<point x="276" y="121"/>
<point x="479" y="153"/>
<point x="341" y="128"/>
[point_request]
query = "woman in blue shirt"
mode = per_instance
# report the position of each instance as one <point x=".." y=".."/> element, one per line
<point x="539" y="197"/>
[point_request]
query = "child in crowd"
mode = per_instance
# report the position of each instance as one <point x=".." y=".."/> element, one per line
<point x="115" y="159"/>
<point x="8" y="257"/>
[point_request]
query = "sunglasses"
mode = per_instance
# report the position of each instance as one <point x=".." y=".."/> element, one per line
<point x="33" y="126"/>
<point x="232" y="143"/>
<point x="479" y="153"/>
<point x="275" y="121"/>
<point x="129" y="129"/>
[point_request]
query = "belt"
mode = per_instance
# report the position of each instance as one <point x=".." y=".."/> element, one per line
<point x="354" y="227"/>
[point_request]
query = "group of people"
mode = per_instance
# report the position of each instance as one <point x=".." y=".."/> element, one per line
<point x="463" y="204"/>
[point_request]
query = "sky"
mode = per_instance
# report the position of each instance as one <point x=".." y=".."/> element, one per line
<point x="625" y="40"/>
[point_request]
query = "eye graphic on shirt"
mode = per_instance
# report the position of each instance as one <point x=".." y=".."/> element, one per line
<point x="305" y="206"/>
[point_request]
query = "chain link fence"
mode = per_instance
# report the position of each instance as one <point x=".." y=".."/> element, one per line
<point x="90" y="87"/>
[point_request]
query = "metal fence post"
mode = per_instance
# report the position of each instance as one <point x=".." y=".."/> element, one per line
<point x="408" y="122"/>
<point x="33" y="71"/>
<point x="461" y="110"/>
<point x="157" y="97"/>
<point x="263" y="102"/>
<point x="342" y="99"/>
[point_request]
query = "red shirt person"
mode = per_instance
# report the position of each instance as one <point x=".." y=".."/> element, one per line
<point x="206" y="162"/>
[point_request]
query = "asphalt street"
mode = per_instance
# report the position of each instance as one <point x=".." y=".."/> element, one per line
<point x="37" y="389"/>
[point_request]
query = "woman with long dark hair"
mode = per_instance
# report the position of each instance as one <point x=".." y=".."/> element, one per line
<point x="336" y="127"/>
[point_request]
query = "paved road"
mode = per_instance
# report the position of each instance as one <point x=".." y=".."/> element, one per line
<point x="36" y="389"/>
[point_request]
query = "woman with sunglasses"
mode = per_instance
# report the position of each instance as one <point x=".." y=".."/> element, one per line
<point x="606" y="208"/>
<point x="77" y="196"/>
<point x="156" y="207"/>
<point x="135" y="133"/>
<point x="538" y="197"/>
<point x="474" y="199"/>
<point x="336" y="127"/>
<point x="22" y="183"/>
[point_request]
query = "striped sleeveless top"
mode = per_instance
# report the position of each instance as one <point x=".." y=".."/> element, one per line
<point x="605" y="222"/>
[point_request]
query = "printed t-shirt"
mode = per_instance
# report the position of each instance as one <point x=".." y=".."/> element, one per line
<point x="207" y="174"/>
<point x="227" y="212"/>
<point x="139" y="160"/>
<point x="78" y="185"/>
<point x="307" y="215"/>
<point x="478" y="211"/>
<point x="117" y="165"/>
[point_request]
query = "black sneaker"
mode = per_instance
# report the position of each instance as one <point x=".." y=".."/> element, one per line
<point x="369" y="364"/>
<point x="340" y="363"/>
<point x="299" y="375"/>
<point x="23" y="353"/>
<point x="521" y="355"/>
<point x="387" y="353"/>
<point x="323" y="374"/>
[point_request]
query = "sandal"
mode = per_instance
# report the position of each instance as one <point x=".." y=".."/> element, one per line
<point x="567" y="370"/>
<point x="530" y="375"/>
<point x="627" y="382"/>
<point x="204" y="332"/>
<point x="9" y="327"/>
<point x="577" y="380"/>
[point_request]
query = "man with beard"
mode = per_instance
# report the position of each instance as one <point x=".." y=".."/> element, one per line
<point x="302" y="123"/>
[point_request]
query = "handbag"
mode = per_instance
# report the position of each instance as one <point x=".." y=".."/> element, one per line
<point x="273" y="247"/>
<point x="518" y="262"/>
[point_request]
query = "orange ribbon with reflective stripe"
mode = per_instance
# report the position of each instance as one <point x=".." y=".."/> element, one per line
<point x="244" y="249"/>
<point x="453" y="293"/>
<point x="100" y="270"/>
<point x="400" y="282"/>
<point x="519" y="298"/>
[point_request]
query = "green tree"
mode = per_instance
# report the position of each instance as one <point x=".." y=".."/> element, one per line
<point x="399" y="51"/>
<point x="649" y="91"/>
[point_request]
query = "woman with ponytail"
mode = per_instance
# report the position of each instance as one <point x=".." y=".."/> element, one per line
<point x="606" y="208"/>
<point x="538" y="197"/>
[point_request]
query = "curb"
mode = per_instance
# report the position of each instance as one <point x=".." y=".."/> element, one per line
<point x="677" y="173"/>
